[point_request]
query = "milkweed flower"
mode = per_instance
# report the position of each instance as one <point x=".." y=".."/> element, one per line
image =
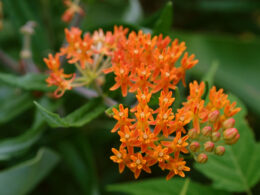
<point x="149" y="66"/>
<point x="90" y="54"/>
<point x="72" y="9"/>
<point x="145" y="65"/>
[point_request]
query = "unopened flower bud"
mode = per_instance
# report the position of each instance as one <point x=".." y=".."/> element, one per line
<point x="230" y="133"/>
<point x="229" y="123"/>
<point x="215" y="136"/>
<point x="195" y="146"/>
<point x="209" y="146"/>
<point x="202" y="158"/>
<point x="192" y="133"/>
<point x="206" y="131"/>
<point x="220" y="150"/>
<point x="233" y="141"/>
<point x="213" y="116"/>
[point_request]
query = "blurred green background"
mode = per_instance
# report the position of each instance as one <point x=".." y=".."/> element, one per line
<point x="223" y="32"/>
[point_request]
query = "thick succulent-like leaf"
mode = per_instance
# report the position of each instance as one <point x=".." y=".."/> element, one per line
<point x="30" y="81"/>
<point x="163" y="187"/>
<point x="78" y="118"/>
<point x="13" y="104"/>
<point x="14" y="146"/>
<point x="22" y="178"/>
<point x="238" y="170"/>
<point x="164" y="23"/>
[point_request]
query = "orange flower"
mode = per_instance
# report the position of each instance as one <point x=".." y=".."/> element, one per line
<point x="73" y="8"/>
<point x="57" y="76"/>
<point x="138" y="164"/>
<point x="178" y="144"/>
<point x="119" y="157"/>
<point x="121" y="116"/>
<point x="146" y="139"/>
<point x="176" y="167"/>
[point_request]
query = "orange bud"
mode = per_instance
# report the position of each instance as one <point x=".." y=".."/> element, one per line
<point x="220" y="150"/>
<point x="229" y="123"/>
<point x="206" y="131"/>
<point x="213" y="116"/>
<point x="192" y="133"/>
<point x="195" y="146"/>
<point x="209" y="146"/>
<point x="230" y="133"/>
<point x="233" y="141"/>
<point x="202" y="158"/>
<point x="215" y="136"/>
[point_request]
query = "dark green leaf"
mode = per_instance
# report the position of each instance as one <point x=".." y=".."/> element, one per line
<point x="164" y="23"/>
<point x="13" y="146"/>
<point x="29" y="81"/>
<point x="238" y="170"/>
<point x="76" y="154"/>
<point x="78" y="118"/>
<point x="22" y="178"/>
<point x="14" y="104"/>
<point x="163" y="187"/>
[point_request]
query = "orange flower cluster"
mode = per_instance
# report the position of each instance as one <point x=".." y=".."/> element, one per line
<point x="141" y="61"/>
<point x="72" y="9"/>
<point x="90" y="54"/>
<point x="213" y="124"/>
<point x="57" y="76"/>
<point x="147" y="65"/>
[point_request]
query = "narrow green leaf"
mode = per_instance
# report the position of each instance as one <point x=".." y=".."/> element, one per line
<point x="22" y="178"/>
<point x="163" y="187"/>
<point x="78" y="118"/>
<point x="18" y="145"/>
<point x="14" y="104"/>
<point x="164" y="23"/>
<point x="29" y="81"/>
<point x="78" y="158"/>
<point x="238" y="170"/>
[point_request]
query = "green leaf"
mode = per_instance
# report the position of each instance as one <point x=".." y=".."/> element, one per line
<point x="30" y="81"/>
<point x="78" y="118"/>
<point x="18" y="145"/>
<point x="14" y="104"/>
<point x="164" y="187"/>
<point x="164" y="23"/>
<point x="22" y="178"/>
<point x="76" y="154"/>
<point x="238" y="170"/>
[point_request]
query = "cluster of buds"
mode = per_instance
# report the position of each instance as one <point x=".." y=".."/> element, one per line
<point x="72" y="9"/>
<point x="90" y="54"/>
<point x="213" y="125"/>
